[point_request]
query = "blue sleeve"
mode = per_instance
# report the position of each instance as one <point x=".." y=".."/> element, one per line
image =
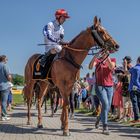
<point x="6" y="70"/>
<point x="47" y="31"/>
<point x="137" y="77"/>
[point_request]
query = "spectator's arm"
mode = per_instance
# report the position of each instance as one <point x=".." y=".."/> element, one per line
<point x="92" y="63"/>
<point x="7" y="73"/>
<point x="126" y="71"/>
<point x="110" y="63"/>
<point x="87" y="87"/>
<point x="79" y="86"/>
<point x="9" y="77"/>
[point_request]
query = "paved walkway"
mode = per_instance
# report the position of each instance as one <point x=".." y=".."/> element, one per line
<point x="82" y="128"/>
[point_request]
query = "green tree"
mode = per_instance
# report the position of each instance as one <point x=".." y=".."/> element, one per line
<point x="18" y="79"/>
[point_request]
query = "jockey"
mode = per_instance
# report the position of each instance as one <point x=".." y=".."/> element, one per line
<point x="53" y="35"/>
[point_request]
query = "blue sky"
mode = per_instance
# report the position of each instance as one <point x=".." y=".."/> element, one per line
<point x="21" y="24"/>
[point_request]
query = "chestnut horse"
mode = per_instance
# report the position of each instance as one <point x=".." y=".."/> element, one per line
<point x="64" y="69"/>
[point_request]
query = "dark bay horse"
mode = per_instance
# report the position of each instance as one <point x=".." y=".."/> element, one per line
<point x="65" y="69"/>
<point x="53" y="95"/>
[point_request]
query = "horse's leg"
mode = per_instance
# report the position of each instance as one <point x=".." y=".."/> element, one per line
<point x="41" y="92"/>
<point x="37" y="89"/>
<point x="28" y="95"/>
<point x="62" y="118"/>
<point x="29" y="111"/>
<point x="57" y="101"/>
<point x="45" y="105"/>
<point x="39" y="113"/>
<point x="65" y="117"/>
<point x="52" y="97"/>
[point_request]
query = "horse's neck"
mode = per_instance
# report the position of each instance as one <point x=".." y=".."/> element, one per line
<point x="81" y="42"/>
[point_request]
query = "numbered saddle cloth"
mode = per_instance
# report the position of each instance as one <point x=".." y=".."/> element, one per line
<point x="40" y="72"/>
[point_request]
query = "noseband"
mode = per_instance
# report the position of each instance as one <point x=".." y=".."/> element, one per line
<point x="105" y="45"/>
<point x="97" y="37"/>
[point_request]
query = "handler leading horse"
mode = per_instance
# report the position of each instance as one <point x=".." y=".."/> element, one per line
<point x="65" y="69"/>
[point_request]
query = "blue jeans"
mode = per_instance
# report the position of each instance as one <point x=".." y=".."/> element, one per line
<point x="79" y="98"/>
<point x="4" y="97"/>
<point x="105" y="94"/>
<point x="135" y="99"/>
<point x="96" y="101"/>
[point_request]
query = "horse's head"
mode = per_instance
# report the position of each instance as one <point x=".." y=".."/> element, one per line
<point x="102" y="37"/>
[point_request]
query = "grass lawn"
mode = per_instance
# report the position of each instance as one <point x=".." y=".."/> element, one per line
<point x="17" y="99"/>
<point x="137" y="125"/>
<point x="84" y="111"/>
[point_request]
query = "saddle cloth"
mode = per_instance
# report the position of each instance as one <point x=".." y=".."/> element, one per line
<point x="40" y="72"/>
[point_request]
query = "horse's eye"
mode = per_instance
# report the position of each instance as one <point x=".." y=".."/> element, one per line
<point x="100" y="30"/>
<point x="103" y="28"/>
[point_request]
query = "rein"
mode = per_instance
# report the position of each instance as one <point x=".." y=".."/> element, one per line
<point x="98" y="39"/>
<point x="67" y="46"/>
<point x="73" y="49"/>
<point x="100" y="42"/>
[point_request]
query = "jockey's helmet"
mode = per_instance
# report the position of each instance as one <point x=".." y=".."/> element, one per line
<point x="61" y="12"/>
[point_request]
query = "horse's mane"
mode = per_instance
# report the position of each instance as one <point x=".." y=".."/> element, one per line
<point x="73" y="40"/>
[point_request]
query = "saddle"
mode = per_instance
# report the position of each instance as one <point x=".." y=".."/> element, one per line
<point x="40" y="72"/>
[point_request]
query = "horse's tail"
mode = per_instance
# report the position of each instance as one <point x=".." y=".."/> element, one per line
<point x="36" y="89"/>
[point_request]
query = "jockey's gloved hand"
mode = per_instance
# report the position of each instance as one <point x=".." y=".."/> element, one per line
<point x="63" y="43"/>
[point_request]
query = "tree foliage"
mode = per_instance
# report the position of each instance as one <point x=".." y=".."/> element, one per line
<point x="18" y="80"/>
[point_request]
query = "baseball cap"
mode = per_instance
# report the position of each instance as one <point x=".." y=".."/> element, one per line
<point x="128" y="59"/>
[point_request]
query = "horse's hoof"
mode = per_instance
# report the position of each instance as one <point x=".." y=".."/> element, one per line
<point x="40" y="126"/>
<point x="62" y="127"/>
<point x="66" y="133"/>
<point x="55" y="110"/>
<point x="28" y="123"/>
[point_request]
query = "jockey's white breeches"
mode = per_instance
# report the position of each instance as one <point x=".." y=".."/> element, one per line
<point x="57" y="48"/>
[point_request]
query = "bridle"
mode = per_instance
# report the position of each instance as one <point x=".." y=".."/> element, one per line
<point x="101" y="43"/>
<point x="98" y="38"/>
<point x="103" y="46"/>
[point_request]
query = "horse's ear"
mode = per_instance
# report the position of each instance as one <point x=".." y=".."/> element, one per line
<point x="100" y="20"/>
<point x="96" y="21"/>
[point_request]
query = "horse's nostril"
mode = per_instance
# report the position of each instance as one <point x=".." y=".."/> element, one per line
<point x="117" y="46"/>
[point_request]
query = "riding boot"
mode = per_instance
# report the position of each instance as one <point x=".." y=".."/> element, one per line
<point x="44" y="58"/>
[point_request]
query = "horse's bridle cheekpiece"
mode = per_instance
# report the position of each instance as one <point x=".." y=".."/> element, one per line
<point x="101" y="42"/>
<point x="97" y="37"/>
